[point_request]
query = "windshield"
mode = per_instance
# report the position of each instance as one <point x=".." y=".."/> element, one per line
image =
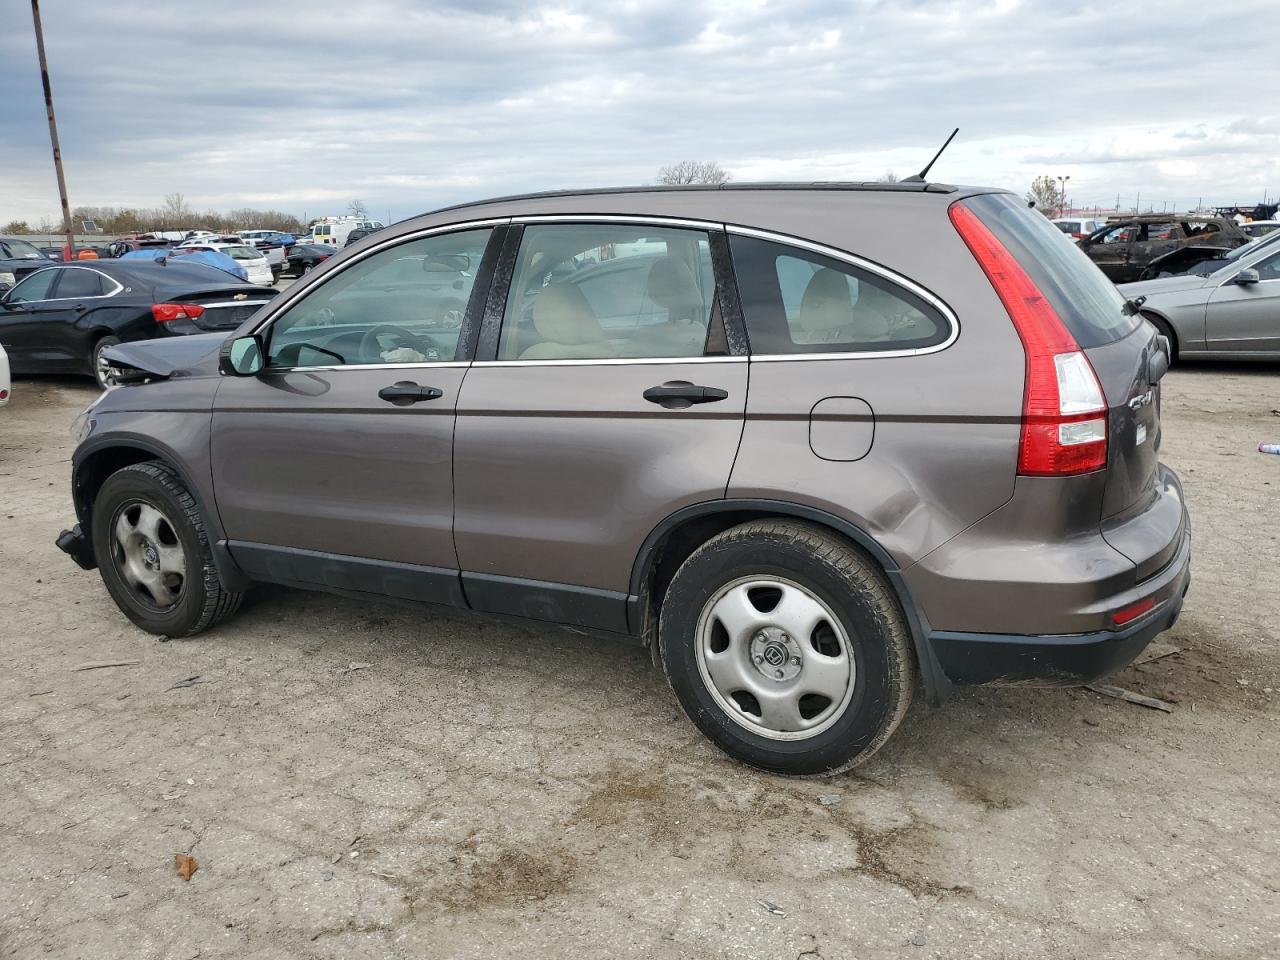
<point x="20" y="250"/>
<point x="242" y="253"/>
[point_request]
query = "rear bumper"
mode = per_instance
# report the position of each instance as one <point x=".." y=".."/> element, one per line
<point x="1061" y="660"/>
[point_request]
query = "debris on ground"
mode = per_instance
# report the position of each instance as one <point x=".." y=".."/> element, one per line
<point x="1130" y="697"/>
<point x="772" y="907"/>
<point x="191" y="682"/>
<point x="829" y="799"/>
<point x="1156" y="651"/>
<point x="103" y="664"/>
<point x="357" y="665"/>
<point x="186" y="865"/>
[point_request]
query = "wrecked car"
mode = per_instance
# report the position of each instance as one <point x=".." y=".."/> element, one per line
<point x="1124" y="248"/>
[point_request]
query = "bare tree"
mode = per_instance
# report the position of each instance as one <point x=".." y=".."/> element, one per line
<point x="888" y="177"/>
<point x="1046" y="195"/>
<point x="16" y="226"/>
<point x="693" y="171"/>
<point x="357" y="209"/>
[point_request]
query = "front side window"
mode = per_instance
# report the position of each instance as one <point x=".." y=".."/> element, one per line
<point x="601" y="291"/>
<point x="1269" y="269"/>
<point x="404" y="304"/>
<point x="795" y="301"/>
<point x="32" y="288"/>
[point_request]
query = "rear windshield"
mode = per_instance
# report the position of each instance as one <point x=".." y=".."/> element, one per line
<point x="1089" y="304"/>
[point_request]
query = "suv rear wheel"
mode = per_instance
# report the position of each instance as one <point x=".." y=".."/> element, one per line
<point x="787" y="648"/>
<point x="153" y="553"/>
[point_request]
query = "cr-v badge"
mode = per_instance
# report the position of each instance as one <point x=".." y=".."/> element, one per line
<point x="1138" y="402"/>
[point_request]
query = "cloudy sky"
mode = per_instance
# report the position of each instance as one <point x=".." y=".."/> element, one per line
<point x="303" y="106"/>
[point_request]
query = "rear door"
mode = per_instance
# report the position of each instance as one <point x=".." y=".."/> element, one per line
<point x="603" y="399"/>
<point x="334" y="466"/>
<point x="1152" y="240"/>
<point x="1245" y="317"/>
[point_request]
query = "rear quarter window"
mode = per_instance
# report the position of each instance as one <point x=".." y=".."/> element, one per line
<point x="1088" y="303"/>
<point x="798" y="302"/>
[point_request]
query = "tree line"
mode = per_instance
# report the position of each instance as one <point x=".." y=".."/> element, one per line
<point x="174" y="214"/>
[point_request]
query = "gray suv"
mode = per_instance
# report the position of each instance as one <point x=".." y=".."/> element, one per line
<point x="816" y="447"/>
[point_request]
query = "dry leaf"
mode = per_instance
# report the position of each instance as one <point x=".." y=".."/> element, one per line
<point x="186" y="865"/>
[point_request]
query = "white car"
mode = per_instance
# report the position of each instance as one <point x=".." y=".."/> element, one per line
<point x="1077" y="228"/>
<point x="258" y="266"/>
<point x="4" y="377"/>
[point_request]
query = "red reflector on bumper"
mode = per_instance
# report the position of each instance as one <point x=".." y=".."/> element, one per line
<point x="1133" y="611"/>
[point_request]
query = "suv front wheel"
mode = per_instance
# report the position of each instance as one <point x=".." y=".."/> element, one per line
<point x="152" y="551"/>
<point x="787" y="648"/>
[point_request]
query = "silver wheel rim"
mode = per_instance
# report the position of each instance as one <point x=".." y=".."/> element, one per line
<point x="148" y="555"/>
<point x="102" y="369"/>
<point x="775" y="658"/>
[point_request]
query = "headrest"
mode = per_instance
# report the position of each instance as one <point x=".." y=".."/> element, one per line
<point x="561" y="313"/>
<point x="671" y="286"/>
<point x="826" y="305"/>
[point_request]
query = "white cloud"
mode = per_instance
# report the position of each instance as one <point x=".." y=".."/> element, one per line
<point x="409" y="106"/>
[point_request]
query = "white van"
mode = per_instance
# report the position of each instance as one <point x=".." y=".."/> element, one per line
<point x="334" y="230"/>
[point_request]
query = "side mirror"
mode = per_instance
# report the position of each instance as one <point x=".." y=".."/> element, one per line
<point x="241" y="357"/>
<point x="1246" y="277"/>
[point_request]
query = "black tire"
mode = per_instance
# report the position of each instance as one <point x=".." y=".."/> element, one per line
<point x="1163" y="328"/>
<point x="850" y="585"/>
<point x="202" y="600"/>
<point x="95" y="360"/>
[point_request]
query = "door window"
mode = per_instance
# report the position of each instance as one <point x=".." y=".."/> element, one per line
<point x="400" y="305"/>
<point x="77" y="284"/>
<point x="599" y="291"/>
<point x="1121" y="234"/>
<point x="799" y="302"/>
<point x="1269" y="269"/>
<point x="33" y="288"/>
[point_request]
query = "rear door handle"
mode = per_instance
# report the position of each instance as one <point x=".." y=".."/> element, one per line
<point x="678" y="394"/>
<point x="406" y="392"/>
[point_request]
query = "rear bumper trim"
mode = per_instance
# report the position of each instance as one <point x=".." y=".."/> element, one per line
<point x="1065" y="660"/>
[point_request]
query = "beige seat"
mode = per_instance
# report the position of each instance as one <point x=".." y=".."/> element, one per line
<point x="569" y="328"/>
<point x="828" y="314"/>
<point x="672" y="287"/>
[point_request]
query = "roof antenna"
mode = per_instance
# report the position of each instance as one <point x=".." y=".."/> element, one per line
<point x="919" y="177"/>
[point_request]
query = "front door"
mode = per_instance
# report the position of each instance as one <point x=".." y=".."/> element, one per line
<point x="1109" y="249"/>
<point x="1245" y="317"/>
<point x="603" y="399"/>
<point x="333" y="466"/>
<point x="24" y="313"/>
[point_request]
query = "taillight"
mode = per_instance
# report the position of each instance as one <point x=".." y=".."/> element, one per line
<point x="168" y="312"/>
<point x="1133" y="611"/>
<point x="1064" y="413"/>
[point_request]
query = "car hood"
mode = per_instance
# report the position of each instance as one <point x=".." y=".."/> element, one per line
<point x="1153" y="288"/>
<point x="194" y="356"/>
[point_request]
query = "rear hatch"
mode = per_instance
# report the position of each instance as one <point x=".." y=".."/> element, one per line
<point x="1123" y="350"/>
<point x="225" y="308"/>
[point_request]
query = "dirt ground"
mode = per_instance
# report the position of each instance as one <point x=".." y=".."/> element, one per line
<point x="361" y="781"/>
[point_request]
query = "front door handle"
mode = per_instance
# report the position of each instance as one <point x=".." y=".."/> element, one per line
<point x="406" y="392"/>
<point x="678" y="394"/>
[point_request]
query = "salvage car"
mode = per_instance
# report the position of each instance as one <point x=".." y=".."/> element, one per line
<point x="305" y="257"/>
<point x="256" y="264"/>
<point x="61" y="319"/>
<point x="19" y="258"/>
<point x="1202" y="260"/>
<point x="1125" y="247"/>
<point x="5" y="383"/>
<point x="944" y="468"/>
<point x="1230" y="313"/>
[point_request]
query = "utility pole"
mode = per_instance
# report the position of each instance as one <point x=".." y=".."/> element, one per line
<point x="53" y="133"/>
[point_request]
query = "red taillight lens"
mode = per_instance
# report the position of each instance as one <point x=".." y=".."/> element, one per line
<point x="1064" y="412"/>
<point x="1133" y="611"/>
<point x="168" y="312"/>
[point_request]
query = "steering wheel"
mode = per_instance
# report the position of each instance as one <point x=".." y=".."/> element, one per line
<point x="370" y="347"/>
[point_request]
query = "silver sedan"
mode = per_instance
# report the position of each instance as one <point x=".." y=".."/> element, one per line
<point x="1230" y="310"/>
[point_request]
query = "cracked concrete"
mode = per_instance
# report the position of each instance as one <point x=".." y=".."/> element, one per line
<point x="487" y="789"/>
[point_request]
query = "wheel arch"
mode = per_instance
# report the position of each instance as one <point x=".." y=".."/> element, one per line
<point x="673" y="540"/>
<point x="94" y="463"/>
<point x="1165" y="326"/>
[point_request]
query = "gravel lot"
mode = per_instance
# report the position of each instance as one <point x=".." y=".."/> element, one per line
<point x="364" y="781"/>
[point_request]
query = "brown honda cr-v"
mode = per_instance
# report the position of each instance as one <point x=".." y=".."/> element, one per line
<point x="816" y="446"/>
